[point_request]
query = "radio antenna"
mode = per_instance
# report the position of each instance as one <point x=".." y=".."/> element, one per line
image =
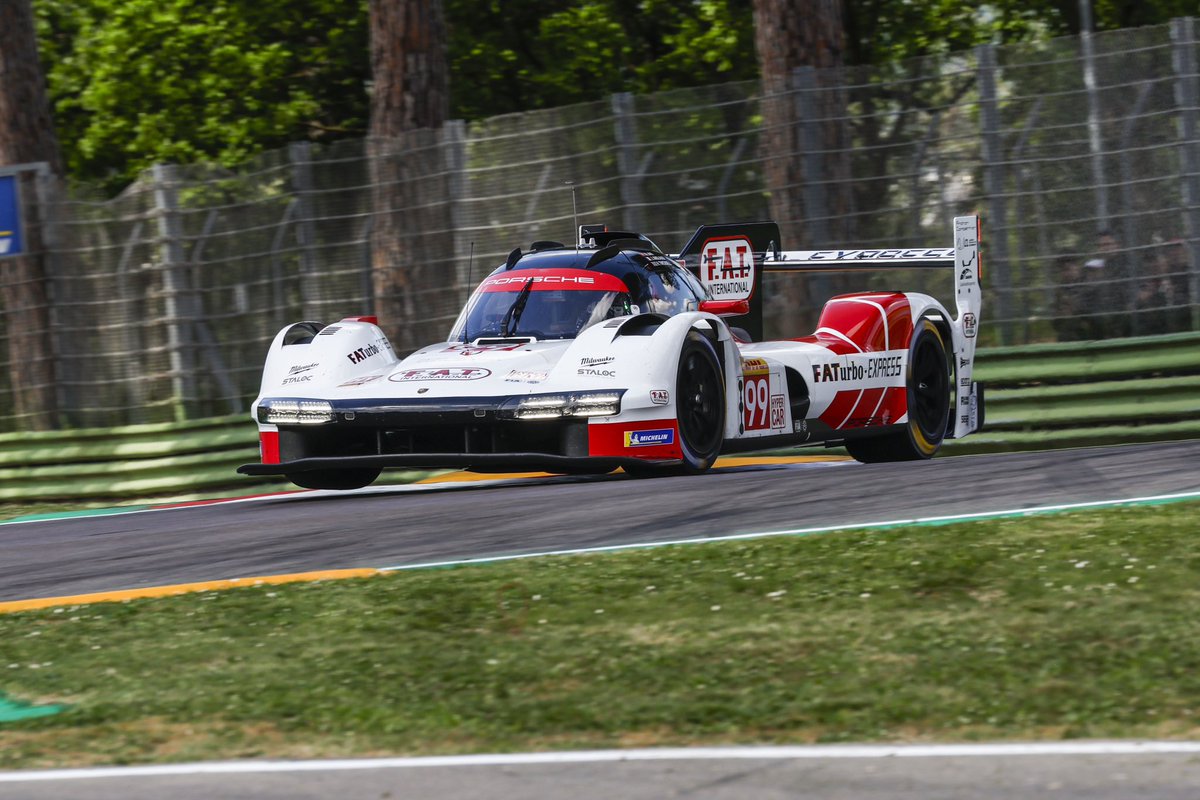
<point x="574" y="210"/>
<point x="470" y="280"/>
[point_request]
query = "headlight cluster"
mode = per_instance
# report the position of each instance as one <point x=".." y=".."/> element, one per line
<point x="574" y="404"/>
<point x="295" y="412"/>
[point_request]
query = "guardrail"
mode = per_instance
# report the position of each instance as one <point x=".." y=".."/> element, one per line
<point x="131" y="461"/>
<point x="1038" y="397"/>
<point x="1088" y="393"/>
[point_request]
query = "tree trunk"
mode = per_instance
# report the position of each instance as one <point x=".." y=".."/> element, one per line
<point x="26" y="136"/>
<point x="409" y="102"/>
<point x="790" y="34"/>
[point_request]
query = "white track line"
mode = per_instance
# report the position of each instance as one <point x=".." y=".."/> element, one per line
<point x="608" y="756"/>
<point x="846" y="526"/>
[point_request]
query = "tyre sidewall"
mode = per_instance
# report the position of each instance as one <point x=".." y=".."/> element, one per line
<point x="925" y="444"/>
<point x="694" y="458"/>
<point x="335" y="479"/>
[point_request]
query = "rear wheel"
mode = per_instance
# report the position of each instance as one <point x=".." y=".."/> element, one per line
<point x="334" y="478"/>
<point x="928" y="405"/>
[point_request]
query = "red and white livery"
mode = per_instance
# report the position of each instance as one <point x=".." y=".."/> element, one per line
<point x="611" y="353"/>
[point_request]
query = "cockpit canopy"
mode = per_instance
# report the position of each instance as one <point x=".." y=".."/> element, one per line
<point x="557" y="293"/>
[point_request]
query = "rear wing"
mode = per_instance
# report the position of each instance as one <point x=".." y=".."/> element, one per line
<point x="730" y="260"/>
<point x="963" y="258"/>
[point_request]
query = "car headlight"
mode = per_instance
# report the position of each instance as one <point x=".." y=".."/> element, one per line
<point x="295" y="412"/>
<point x="575" y="404"/>
<point x="542" y="406"/>
<point x="595" y="404"/>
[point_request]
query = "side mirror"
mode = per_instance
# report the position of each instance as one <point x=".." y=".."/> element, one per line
<point x="726" y="308"/>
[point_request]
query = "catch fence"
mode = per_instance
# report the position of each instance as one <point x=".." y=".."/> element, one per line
<point x="1082" y="155"/>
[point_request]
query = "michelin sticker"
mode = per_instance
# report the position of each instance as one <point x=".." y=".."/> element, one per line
<point x="649" y="438"/>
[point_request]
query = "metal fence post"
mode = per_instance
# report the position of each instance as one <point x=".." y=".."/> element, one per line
<point x="1095" y="141"/>
<point x="300" y="156"/>
<point x="175" y="285"/>
<point x="46" y="189"/>
<point x="996" y="228"/>
<point x="131" y="336"/>
<point x="816" y="202"/>
<point x="816" y="198"/>
<point x="631" y="179"/>
<point x="1129" y="222"/>
<point x="454" y="162"/>
<point x="1187" y="98"/>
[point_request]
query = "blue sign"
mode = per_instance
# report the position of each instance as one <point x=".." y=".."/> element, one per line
<point x="11" y="243"/>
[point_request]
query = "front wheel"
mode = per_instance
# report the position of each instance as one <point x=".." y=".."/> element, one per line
<point x="700" y="409"/>
<point x="334" y="478"/>
<point x="700" y="403"/>
<point x="928" y="388"/>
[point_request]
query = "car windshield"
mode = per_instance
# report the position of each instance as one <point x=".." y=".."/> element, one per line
<point x="557" y="304"/>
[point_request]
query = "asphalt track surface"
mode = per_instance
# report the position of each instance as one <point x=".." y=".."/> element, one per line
<point x="736" y="775"/>
<point x="304" y="532"/>
<point x="300" y="533"/>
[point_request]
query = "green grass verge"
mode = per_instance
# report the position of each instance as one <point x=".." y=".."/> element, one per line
<point x="1074" y="625"/>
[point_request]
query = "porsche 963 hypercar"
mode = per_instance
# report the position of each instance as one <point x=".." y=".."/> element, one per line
<point x="611" y="353"/>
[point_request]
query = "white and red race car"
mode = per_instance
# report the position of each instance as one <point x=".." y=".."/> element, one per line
<point x="611" y="353"/>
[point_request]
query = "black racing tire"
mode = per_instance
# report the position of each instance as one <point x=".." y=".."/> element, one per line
<point x="334" y="478"/>
<point x="700" y="410"/>
<point x="928" y="383"/>
<point x="699" y="403"/>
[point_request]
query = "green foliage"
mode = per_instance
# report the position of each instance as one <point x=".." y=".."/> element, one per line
<point x="880" y="31"/>
<point x="135" y="82"/>
<point x="508" y="57"/>
<point x="1113" y="14"/>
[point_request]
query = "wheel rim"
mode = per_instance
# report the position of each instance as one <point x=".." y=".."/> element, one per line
<point x="931" y="389"/>
<point x="699" y="403"/>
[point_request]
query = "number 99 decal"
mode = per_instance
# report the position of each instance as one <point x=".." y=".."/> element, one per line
<point x="756" y="399"/>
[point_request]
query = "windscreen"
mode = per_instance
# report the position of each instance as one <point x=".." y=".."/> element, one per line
<point x="541" y="304"/>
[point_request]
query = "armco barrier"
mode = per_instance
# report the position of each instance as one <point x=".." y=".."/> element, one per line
<point x="188" y="459"/>
<point x="1038" y="396"/>
<point x="1088" y="393"/>
<point x="127" y="462"/>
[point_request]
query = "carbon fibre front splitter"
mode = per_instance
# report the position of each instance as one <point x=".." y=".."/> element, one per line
<point x="476" y="462"/>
